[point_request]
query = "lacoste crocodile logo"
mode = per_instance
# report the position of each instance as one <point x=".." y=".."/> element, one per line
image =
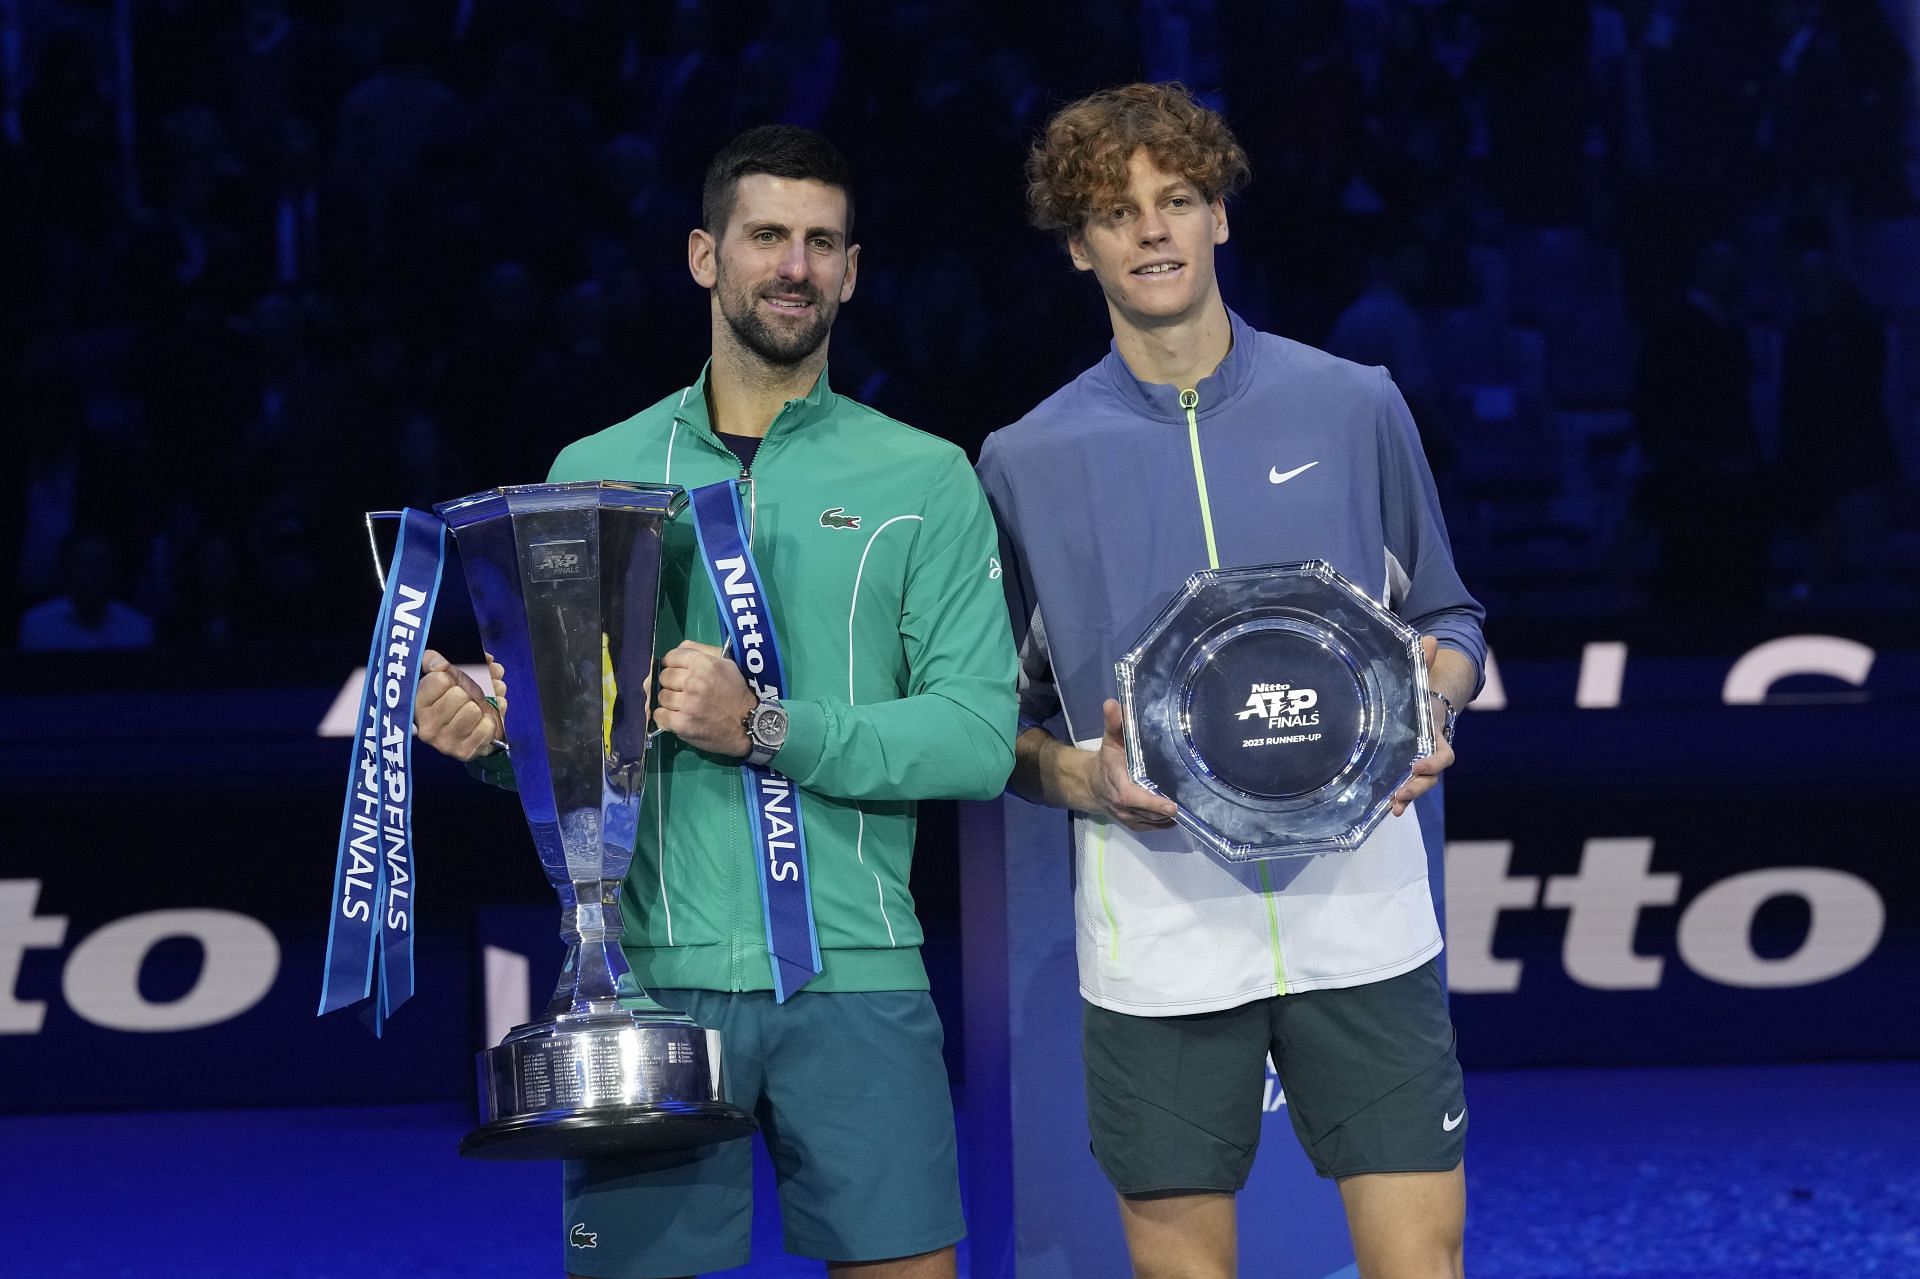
<point x="581" y="1237"/>
<point x="837" y="517"/>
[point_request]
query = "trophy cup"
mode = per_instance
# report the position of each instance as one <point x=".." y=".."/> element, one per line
<point x="1278" y="706"/>
<point x="564" y="580"/>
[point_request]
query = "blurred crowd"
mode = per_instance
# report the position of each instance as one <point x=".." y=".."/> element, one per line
<point x="1647" y="270"/>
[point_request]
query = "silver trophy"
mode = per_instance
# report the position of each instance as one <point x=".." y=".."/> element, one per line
<point x="1278" y="706"/>
<point x="564" y="580"/>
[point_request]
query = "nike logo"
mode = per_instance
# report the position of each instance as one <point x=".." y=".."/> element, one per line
<point x="1449" y="1122"/>
<point x="1277" y="476"/>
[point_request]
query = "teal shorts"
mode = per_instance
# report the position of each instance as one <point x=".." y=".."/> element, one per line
<point x="1369" y="1074"/>
<point x="852" y="1098"/>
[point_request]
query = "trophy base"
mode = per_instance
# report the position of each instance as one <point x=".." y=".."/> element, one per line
<point x="607" y="1131"/>
<point x="617" y="1082"/>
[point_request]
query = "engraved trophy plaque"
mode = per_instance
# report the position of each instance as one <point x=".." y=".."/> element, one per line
<point x="564" y="580"/>
<point x="1278" y="706"/>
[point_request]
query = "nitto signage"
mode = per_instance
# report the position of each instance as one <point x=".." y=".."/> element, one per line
<point x="100" y="979"/>
<point x="1604" y="900"/>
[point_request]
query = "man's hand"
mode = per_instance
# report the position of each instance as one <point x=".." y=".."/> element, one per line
<point x="702" y="697"/>
<point x="450" y="711"/>
<point x="1112" y="790"/>
<point x="1427" y="769"/>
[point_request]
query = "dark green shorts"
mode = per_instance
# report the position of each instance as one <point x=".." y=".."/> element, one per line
<point x="851" y="1094"/>
<point x="1371" y="1085"/>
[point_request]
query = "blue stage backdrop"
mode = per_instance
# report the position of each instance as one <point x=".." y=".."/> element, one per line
<point x="1654" y="855"/>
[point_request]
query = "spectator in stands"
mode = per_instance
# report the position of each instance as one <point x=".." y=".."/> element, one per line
<point x="1383" y="326"/>
<point x="1836" y="455"/>
<point x="1694" y="403"/>
<point x="86" y="616"/>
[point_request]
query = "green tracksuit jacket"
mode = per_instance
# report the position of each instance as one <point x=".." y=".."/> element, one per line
<point x="877" y="552"/>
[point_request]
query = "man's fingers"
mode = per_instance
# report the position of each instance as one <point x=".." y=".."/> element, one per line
<point x="452" y="696"/>
<point x="1127" y="793"/>
<point x="466" y="683"/>
<point x="1141" y="800"/>
<point x="1131" y="803"/>
<point x="689" y="653"/>
<point x="682" y="679"/>
<point x="437" y="699"/>
<point x="1116" y="726"/>
<point x="471" y="718"/>
<point x="690" y="659"/>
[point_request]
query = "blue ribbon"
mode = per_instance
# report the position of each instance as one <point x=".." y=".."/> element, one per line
<point x="370" y="933"/>
<point x="773" y="801"/>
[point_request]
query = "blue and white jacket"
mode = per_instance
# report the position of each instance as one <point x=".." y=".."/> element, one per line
<point x="1108" y="495"/>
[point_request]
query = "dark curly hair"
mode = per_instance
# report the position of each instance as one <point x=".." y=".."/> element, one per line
<point x="1081" y="159"/>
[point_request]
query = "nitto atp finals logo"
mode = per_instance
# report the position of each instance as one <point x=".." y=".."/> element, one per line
<point x="1282" y="706"/>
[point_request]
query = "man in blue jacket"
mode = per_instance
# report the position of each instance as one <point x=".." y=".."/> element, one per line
<point x="1200" y="442"/>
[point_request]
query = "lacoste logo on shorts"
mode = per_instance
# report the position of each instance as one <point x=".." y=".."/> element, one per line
<point x="1449" y="1122"/>
<point x="581" y="1237"/>
<point x="837" y="517"/>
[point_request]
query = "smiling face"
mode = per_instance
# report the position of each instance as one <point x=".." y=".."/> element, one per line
<point x="781" y="267"/>
<point x="1151" y="247"/>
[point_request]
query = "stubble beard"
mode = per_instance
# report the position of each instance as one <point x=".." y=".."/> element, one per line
<point x="780" y="346"/>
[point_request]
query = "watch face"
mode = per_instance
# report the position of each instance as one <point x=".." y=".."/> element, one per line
<point x="769" y="726"/>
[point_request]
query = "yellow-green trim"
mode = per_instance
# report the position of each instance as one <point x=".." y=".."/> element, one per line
<point x="1273" y="931"/>
<point x="1190" y="400"/>
<point x="1106" y="903"/>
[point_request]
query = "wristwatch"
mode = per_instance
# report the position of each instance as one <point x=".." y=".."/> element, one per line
<point x="1453" y="713"/>
<point x="766" y="727"/>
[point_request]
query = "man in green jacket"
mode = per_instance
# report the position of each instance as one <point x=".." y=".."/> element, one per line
<point x="877" y="552"/>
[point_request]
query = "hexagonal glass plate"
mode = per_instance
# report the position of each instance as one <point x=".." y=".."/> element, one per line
<point x="1278" y="706"/>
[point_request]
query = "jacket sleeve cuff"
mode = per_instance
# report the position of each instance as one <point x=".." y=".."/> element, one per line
<point x="495" y="769"/>
<point x="799" y="755"/>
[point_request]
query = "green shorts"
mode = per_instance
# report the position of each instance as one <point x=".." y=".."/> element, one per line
<point x="852" y="1098"/>
<point x="1371" y="1085"/>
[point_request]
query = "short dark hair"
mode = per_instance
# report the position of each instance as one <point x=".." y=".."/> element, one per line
<point x="777" y="150"/>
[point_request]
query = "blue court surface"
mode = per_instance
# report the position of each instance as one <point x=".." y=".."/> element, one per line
<point x="1749" y="1172"/>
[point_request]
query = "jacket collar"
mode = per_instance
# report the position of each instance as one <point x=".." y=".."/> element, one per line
<point x="815" y="405"/>
<point x="1162" y="401"/>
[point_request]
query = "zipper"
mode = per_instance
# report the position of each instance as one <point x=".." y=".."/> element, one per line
<point x="733" y="900"/>
<point x="736" y="949"/>
<point x="739" y="835"/>
<point x="734" y="981"/>
<point x="1190" y="401"/>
